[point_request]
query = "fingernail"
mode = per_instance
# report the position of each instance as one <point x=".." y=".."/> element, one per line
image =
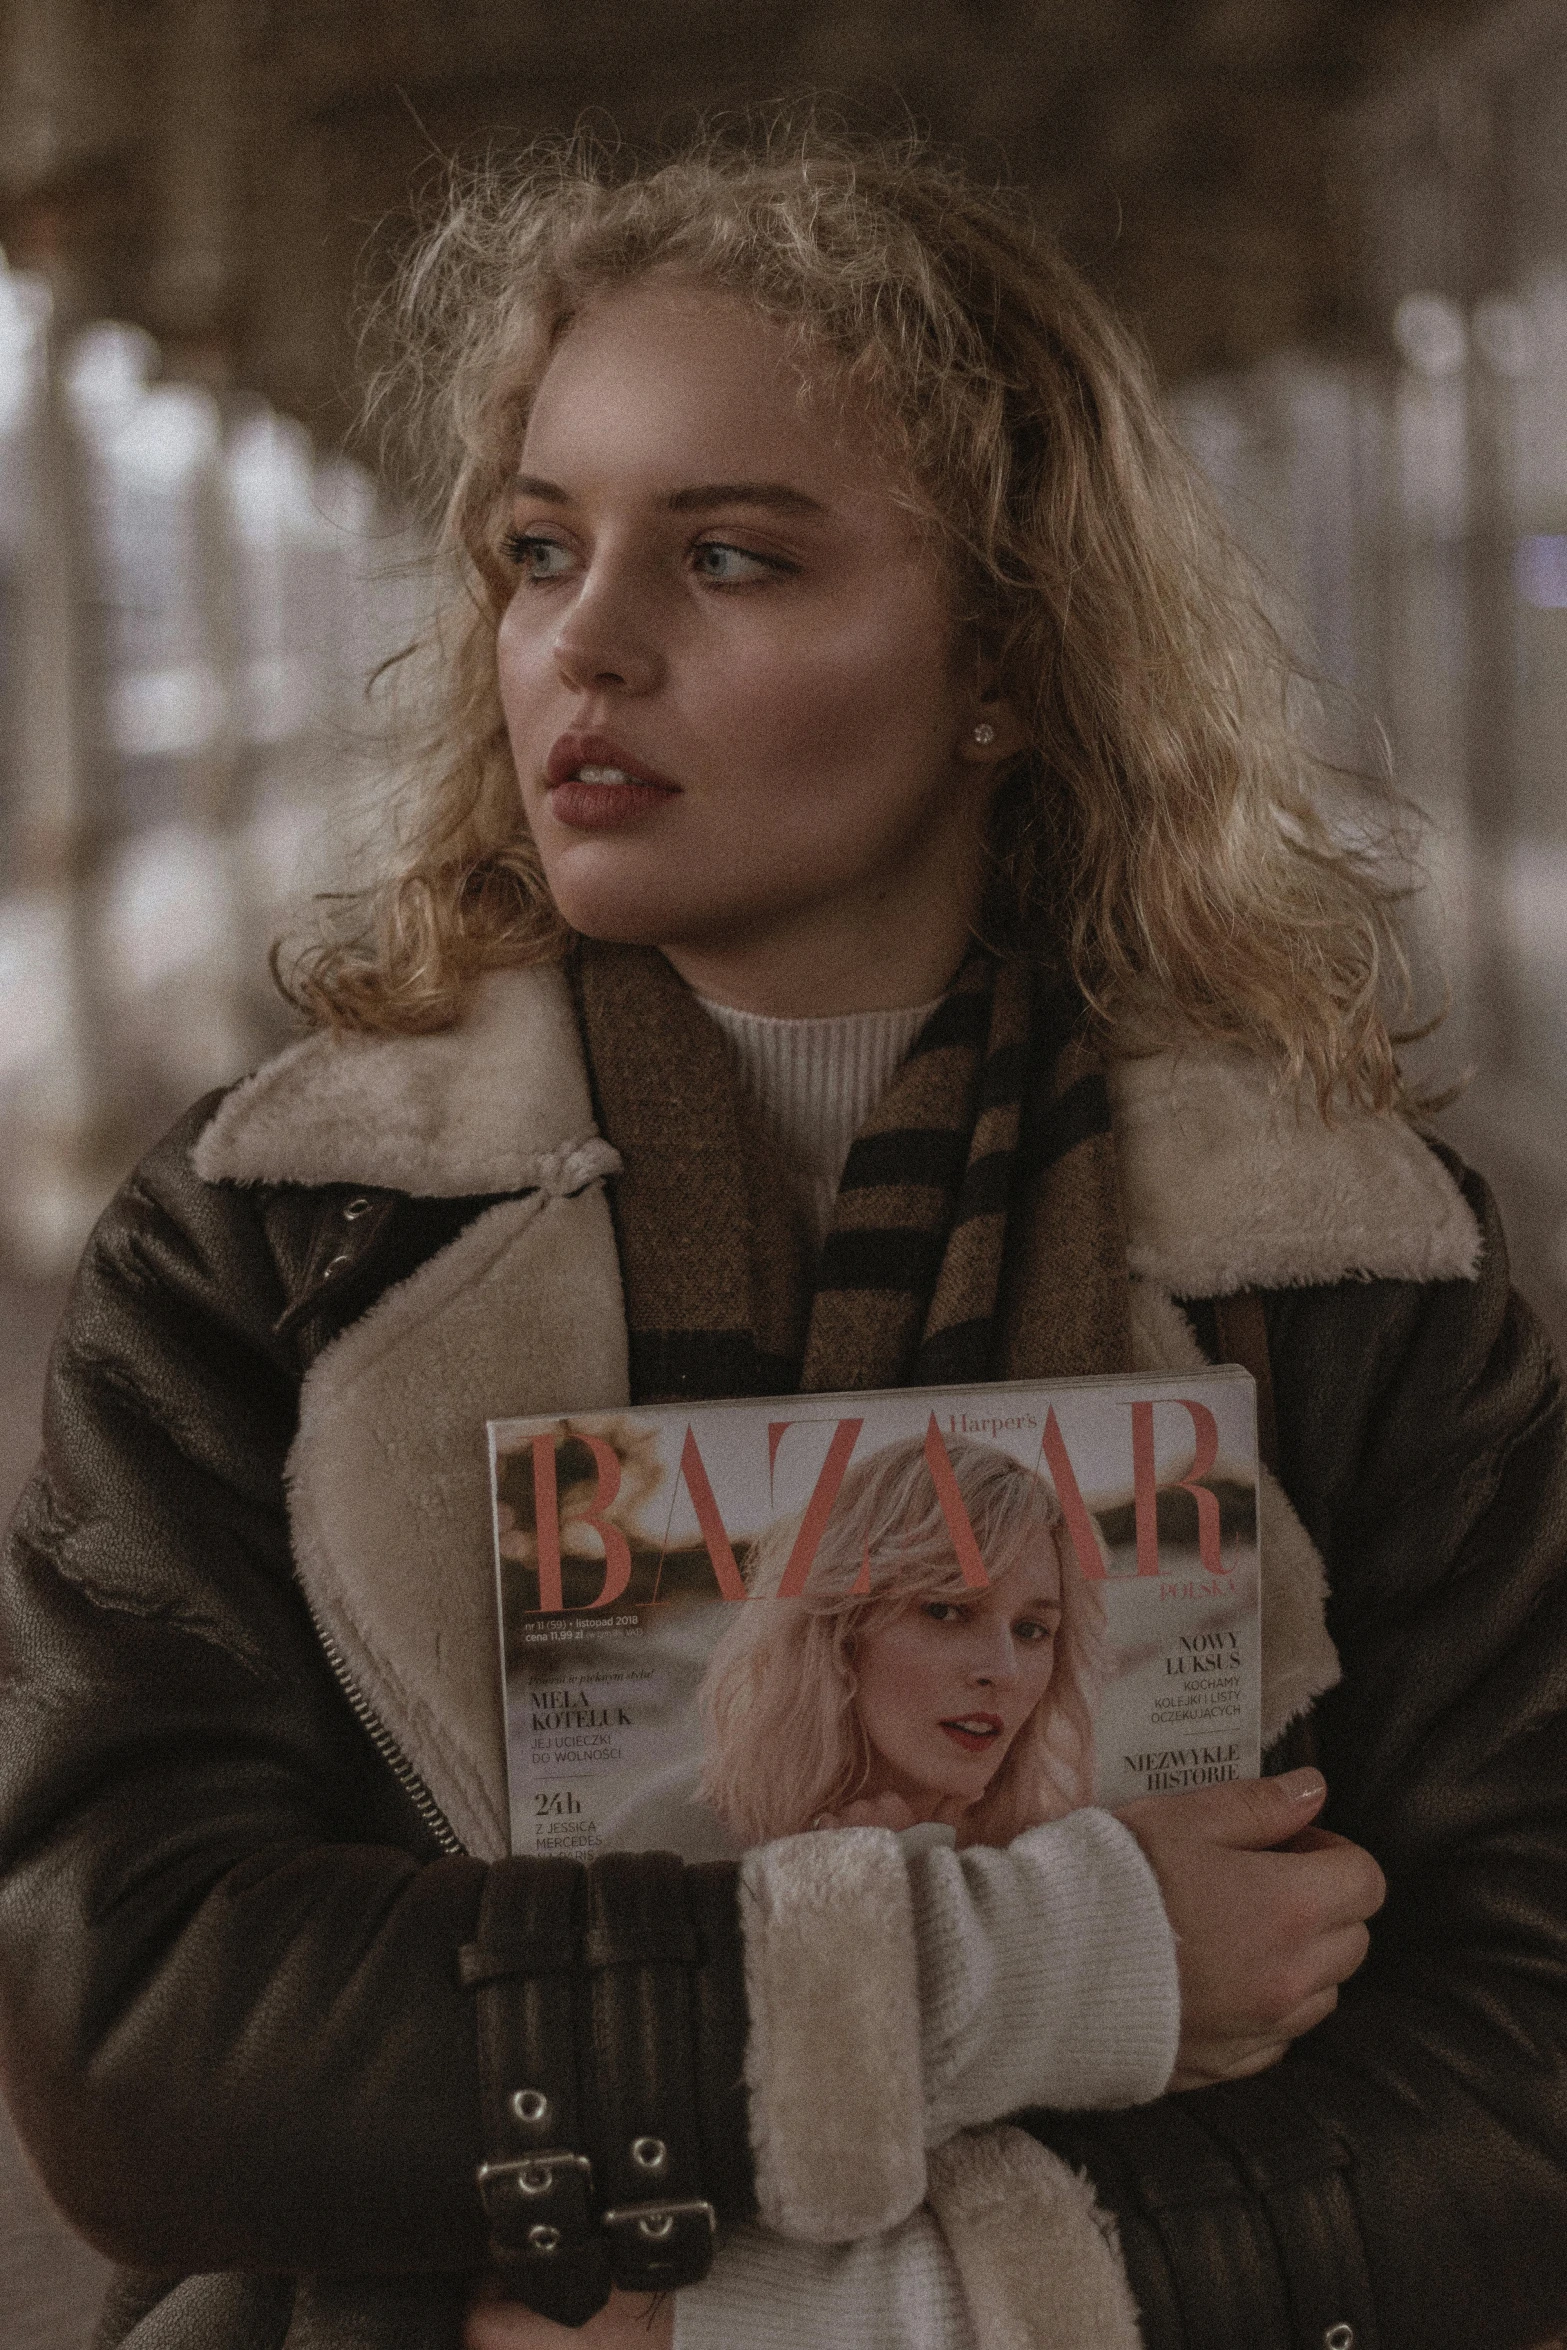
<point x="1302" y="1786"/>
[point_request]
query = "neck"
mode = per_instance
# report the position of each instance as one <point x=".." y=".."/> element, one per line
<point x="828" y="969"/>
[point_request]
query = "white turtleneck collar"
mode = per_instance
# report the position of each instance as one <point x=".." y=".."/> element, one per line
<point x="813" y="1084"/>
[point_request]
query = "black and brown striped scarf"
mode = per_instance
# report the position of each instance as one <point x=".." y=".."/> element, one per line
<point x="977" y="1232"/>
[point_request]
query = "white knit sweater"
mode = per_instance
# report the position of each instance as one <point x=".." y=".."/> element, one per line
<point x="813" y="1084"/>
<point x="1047" y="1971"/>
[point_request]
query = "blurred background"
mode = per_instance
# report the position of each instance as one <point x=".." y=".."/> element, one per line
<point x="1339" y="225"/>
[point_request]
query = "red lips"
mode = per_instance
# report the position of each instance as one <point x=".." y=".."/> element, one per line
<point x="573" y="751"/>
<point x="597" y="806"/>
<point x="973" y="1740"/>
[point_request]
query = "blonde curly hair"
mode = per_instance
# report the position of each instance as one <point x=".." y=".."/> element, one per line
<point x="1161" y="835"/>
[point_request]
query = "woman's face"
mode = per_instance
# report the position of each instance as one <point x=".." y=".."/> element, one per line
<point x="743" y="729"/>
<point x="945" y="1687"/>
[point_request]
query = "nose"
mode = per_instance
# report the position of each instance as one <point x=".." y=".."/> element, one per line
<point x="993" y="1661"/>
<point x="606" y="638"/>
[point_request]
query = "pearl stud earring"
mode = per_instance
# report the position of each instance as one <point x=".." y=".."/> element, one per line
<point x="984" y="732"/>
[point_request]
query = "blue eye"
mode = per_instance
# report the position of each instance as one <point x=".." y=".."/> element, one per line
<point x="536" y="558"/>
<point x="1029" y="1629"/>
<point x="943" y="1611"/>
<point x="728" y="566"/>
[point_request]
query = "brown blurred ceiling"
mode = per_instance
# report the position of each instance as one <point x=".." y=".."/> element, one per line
<point x="230" y="171"/>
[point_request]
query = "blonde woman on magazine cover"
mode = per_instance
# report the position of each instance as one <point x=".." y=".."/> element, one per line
<point x="860" y="916"/>
<point x="892" y="1692"/>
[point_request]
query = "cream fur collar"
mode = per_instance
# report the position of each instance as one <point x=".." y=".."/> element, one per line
<point x="1227" y="1184"/>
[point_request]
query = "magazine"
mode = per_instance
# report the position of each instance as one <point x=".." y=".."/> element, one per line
<point x="984" y="1605"/>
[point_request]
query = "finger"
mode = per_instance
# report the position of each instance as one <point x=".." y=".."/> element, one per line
<point x="507" y="2325"/>
<point x="1253" y="2059"/>
<point x="1247" y="1815"/>
<point x="1313" y="1975"/>
<point x="1313" y="1839"/>
<point x="1226" y="2060"/>
<point x="1342" y="1881"/>
<point x="1252" y="2054"/>
<point x="1310" y="2013"/>
<point x="1342" y="1954"/>
<point x="627" y="2321"/>
<point x="1318" y="1839"/>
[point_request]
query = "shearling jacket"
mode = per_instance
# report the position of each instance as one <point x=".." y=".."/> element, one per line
<point x="255" y="1741"/>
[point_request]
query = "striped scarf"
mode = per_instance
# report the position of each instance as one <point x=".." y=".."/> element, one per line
<point x="977" y="1232"/>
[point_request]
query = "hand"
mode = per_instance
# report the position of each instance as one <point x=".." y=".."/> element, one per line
<point x="627" y="2321"/>
<point x="1269" y="1915"/>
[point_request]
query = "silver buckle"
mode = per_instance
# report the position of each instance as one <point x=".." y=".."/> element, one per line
<point x="655" y="2222"/>
<point x="531" y="2175"/>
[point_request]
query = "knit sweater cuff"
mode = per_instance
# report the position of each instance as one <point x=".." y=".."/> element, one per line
<point x="899" y="1994"/>
<point x="898" y="2291"/>
<point x="1047" y="1974"/>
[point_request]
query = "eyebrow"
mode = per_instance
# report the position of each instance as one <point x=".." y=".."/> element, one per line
<point x="776" y="496"/>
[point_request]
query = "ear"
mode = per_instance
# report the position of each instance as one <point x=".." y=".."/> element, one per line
<point x="993" y="732"/>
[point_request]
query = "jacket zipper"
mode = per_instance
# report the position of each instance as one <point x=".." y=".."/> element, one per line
<point x="386" y="1746"/>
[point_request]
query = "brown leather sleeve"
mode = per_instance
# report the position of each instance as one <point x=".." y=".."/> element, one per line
<point x="1399" y="2180"/>
<point x="233" y="2023"/>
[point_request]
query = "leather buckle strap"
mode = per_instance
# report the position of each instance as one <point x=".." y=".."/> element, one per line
<point x="720" y="2024"/>
<point x="537" y="2205"/>
<point x="640" y="1948"/>
<point x="539" y="1955"/>
<point x="600" y="1965"/>
<point x="536" y="2189"/>
<point x="657" y="2247"/>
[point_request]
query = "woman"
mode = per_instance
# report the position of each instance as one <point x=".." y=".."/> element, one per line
<point x="892" y="1693"/>
<point x="844" y="668"/>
